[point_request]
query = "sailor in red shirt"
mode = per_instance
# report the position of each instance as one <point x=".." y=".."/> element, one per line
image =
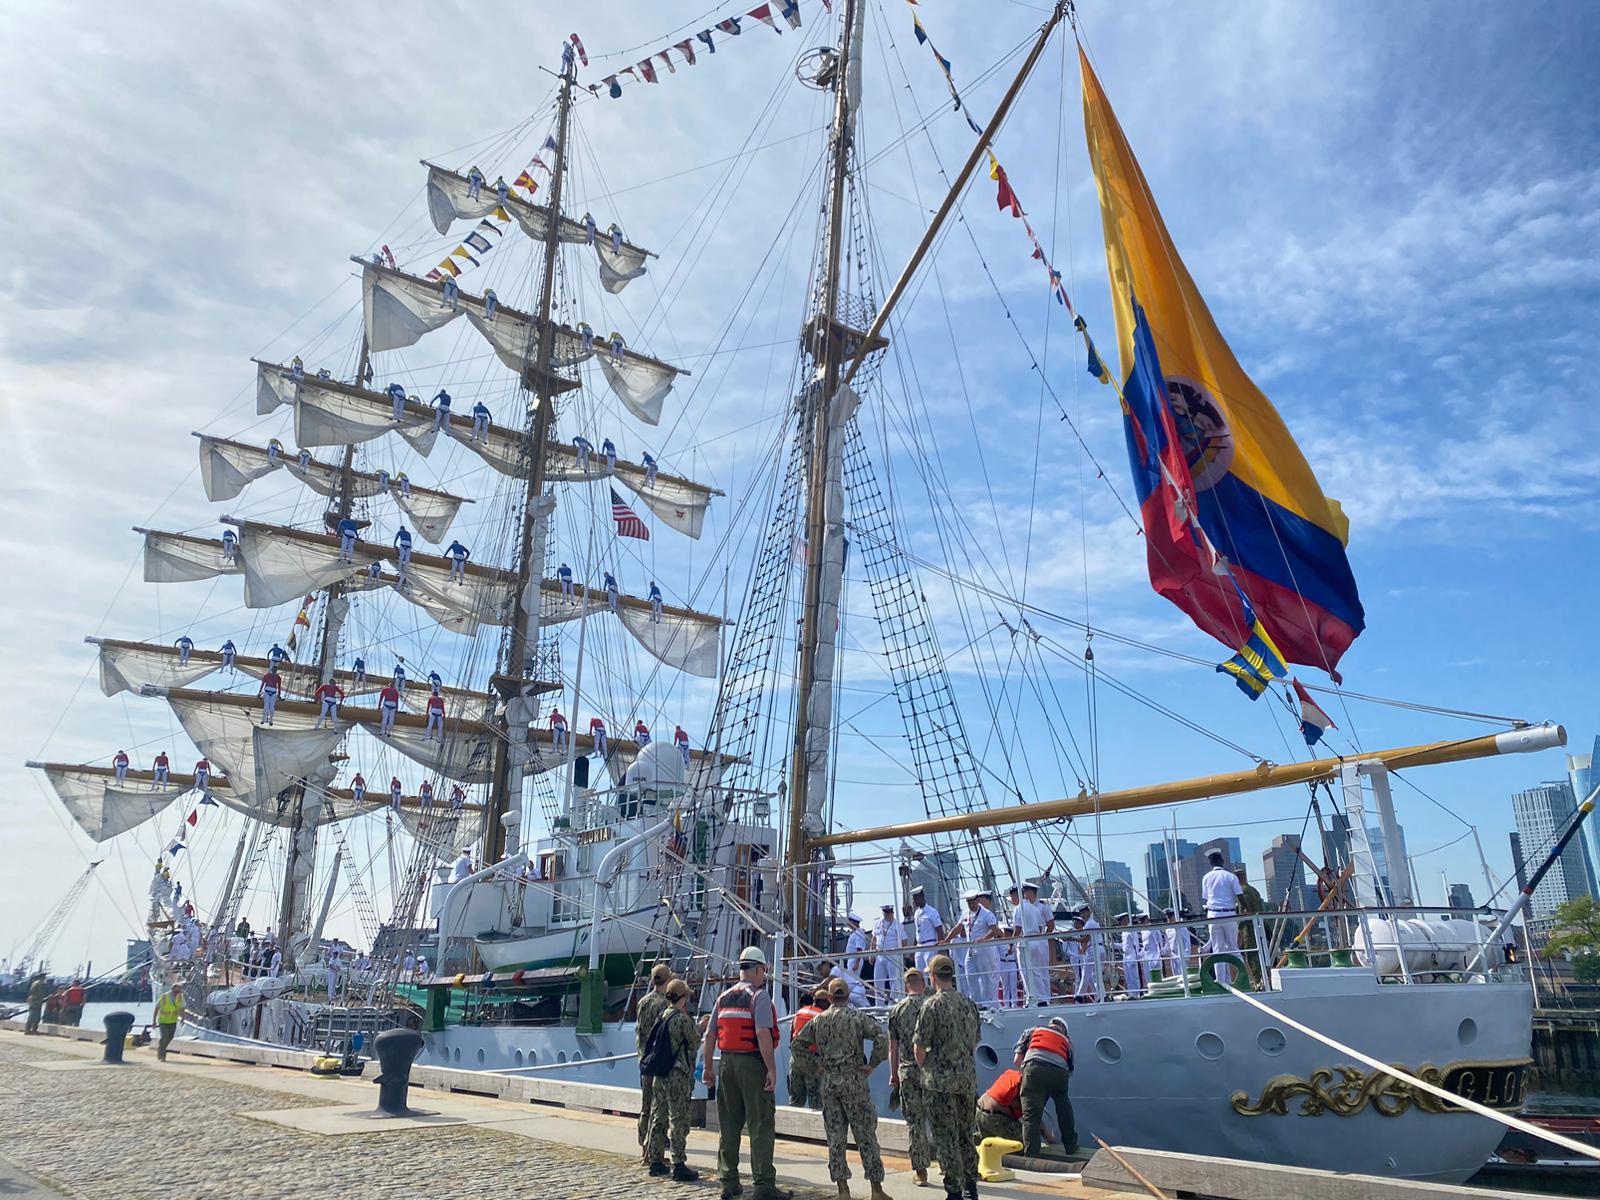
<point x="458" y="798"/>
<point x="558" y="730"/>
<point x="162" y="766"/>
<point x="202" y="775"/>
<point x="271" y="684"/>
<point x="120" y="762"/>
<point x="435" y="717"/>
<point x="395" y="790"/>
<point x="388" y="705"/>
<point x="331" y="695"/>
<point x="425" y="794"/>
<point x="680" y="739"/>
<point x="358" y="789"/>
<point x="641" y="733"/>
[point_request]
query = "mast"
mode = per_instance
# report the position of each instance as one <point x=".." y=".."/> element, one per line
<point x="819" y="400"/>
<point x="303" y="834"/>
<point x="494" y="831"/>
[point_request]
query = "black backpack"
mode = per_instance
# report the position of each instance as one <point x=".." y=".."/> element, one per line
<point x="659" y="1057"/>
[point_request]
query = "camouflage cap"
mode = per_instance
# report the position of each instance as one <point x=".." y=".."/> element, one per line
<point x="838" y="989"/>
<point x="913" y="974"/>
<point x="942" y="965"/>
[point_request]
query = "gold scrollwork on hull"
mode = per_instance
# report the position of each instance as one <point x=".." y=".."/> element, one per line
<point x="1346" y="1091"/>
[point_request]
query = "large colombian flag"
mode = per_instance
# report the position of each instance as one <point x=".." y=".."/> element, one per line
<point x="1251" y="490"/>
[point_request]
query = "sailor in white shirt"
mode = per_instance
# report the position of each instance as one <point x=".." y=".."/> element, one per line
<point x="1221" y="890"/>
<point x="1150" y="945"/>
<point x="981" y="927"/>
<point x="929" y="927"/>
<point x="854" y="944"/>
<point x="1176" y="948"/>
<point x="1034" y="917"/>
<point x="858" y="990"/>
<point x="1132" y="956"/>
<point x="1006" y="964"/>
<point x="1091" y="978"/>
<point x="887" y="934"/>
<point x="463" y="867"/>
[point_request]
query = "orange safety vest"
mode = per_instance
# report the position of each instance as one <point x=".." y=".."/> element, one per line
<point x="1053" y="1041"/>
<point x="736" y="1024"/>
<point x="802" y="1018"/>
<point x="1006" y="1092"/>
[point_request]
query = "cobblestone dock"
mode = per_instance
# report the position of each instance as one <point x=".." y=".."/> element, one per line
<point x="206" y="1126"/>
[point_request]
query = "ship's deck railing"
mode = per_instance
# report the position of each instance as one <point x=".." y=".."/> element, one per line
<point x="1403" y="946"/>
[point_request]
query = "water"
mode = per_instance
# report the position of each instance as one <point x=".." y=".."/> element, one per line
<point x="94" y="1013"/>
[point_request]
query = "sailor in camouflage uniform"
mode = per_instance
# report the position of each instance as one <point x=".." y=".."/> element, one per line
<point x="645" y="1017"/>
<point x="905" y="1079"/>
<point x="838" y="1037"/>
<point x="670" y="1104"/>
<point x="945" y="1040"/>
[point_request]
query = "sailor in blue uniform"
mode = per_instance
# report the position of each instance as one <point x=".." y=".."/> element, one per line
<point x="655" y="602"/>
<point x="399" y="675"/>
<point x="375" y="570"/>
<point x="228" y="651"/>
<point x="586" y="336"/>
<point x="475" y="183"/>
<point x="611" y="591"/>
<point x="609" y="449"/>
<point x="402" y="545"/>
<point x="277" y="656"/>
<point x="617" y="348"/>
<point x="584" y="448"/>
<point x="397" y="394"/>
<point x="297" y="368"/>
<point x="451" y="294"/>
<point x="230" y="545"/>
<point x="564" y="574"/>
<point x="649" y="468"/>
<point x="349" y="530"/>
<point x="480" y="421"/>
<point x="185" y="647"/>
<point x="434" y="682"/>
<point x="305" y="460"/>
<point x="441" y="410"/>
<point x="501" y="188"/>
<point x="274" y="450"/>
<point x="490" y="303"/>
<point x="616" y="237"/>
<point x="458" y="561"/>
<point x="588" y="229"/>
<point x="359" y="670"/>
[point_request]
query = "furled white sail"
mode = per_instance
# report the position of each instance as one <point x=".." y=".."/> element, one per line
<point x="129" y="666"/>
<point x="179" y="558"/>
<point x="450" y="199"/>
<point x="819" y="728"/>
<point x="442" y="829"/>
<point x="285" y="756"/>
<point x="691" y="644"/>
<point x="227" y="467"/>
<point x="465" y="754"/>
<point x="400" y="308"/>
<point x="274" y="387"/>
<point x="481" y="598"/>
<point x="337" y="416"/>
<point x="103" y="809"/>
<point x="279" y="567"/>
<point x="503" y="448"/>
<point x="678" y="503"/>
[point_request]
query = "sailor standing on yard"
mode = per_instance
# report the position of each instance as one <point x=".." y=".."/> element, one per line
<point x="1221" y="890"/>
<point x="185" y="645"/>
<point x="929" y="926"/>
<point x="120" y="762"/>
<point x="887" y="934"/>
<point x="744" y="1027"/>
<point x="645" y="1017"/>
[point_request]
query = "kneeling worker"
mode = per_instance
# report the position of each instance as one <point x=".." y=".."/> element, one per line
<point x="999" y="1112"/>
<point x="1045" y="1055"/>
<point x="838" y="1037"/>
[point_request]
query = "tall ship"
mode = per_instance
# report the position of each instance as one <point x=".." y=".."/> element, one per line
<point x="570" y="709"/>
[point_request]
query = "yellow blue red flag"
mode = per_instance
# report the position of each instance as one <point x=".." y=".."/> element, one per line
<point x="1271" y="530"/>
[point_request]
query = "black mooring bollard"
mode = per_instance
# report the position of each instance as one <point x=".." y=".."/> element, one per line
<point x="396" y="1049"/>
<point x="117" y="1026"/>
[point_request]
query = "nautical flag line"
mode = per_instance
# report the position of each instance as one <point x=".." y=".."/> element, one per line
<point x="777" y="15"/>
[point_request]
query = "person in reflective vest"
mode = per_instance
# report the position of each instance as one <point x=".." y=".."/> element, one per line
<point x="744" y="1028"/>
<point x="168" y="1009"/>
<point x="1045" y="1055"/>
<point x="805" y="1068"/>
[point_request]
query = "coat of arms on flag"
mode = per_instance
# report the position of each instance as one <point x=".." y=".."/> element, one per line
<point x="628" y="522"/>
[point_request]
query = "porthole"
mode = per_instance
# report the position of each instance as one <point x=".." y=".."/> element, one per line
<point x="1107" y="1050"/>
<point x="480" y="1056"/>
<point x="1209" y="1045"/>
<point x="458" y="1053"/>
<point x="1467" y="1031"/>
<point x="1271" y="1041"/>
<point x="517" y="1058"/>
<point x="987" y="1056"/>
<point x="561" y="1056"/>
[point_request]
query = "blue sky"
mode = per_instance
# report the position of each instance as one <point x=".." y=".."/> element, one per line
<point x="1391" y="210"/>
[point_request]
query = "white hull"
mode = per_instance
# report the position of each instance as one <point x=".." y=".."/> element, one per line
<point x="627" y="934"/>
<point x="1162" y="1074"/>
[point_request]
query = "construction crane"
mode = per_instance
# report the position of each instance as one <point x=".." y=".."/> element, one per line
<point x="50" y="927"/>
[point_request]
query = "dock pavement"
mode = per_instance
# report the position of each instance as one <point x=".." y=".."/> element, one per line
<point x="251" y="1123"/>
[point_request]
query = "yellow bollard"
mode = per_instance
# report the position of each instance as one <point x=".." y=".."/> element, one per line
<point x="991" y="1152"/>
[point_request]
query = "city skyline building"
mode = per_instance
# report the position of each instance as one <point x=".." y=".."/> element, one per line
<point x="1158" y="878"/>
<point x="1284" y="874"/>
<point x="1542" y="814"/>
<point x="1460" y="896"/>
<point x="1583" y="770"/>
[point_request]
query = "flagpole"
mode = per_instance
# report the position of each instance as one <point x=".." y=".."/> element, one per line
<point x="956" y="188"/>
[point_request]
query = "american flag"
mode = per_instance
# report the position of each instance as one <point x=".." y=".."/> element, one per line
<point x="628" y="522"/>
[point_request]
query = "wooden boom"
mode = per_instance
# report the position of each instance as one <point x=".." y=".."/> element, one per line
<point x="1525" y="739"/>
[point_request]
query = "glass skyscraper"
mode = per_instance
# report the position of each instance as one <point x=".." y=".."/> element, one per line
<point x="1542" y="814"/>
